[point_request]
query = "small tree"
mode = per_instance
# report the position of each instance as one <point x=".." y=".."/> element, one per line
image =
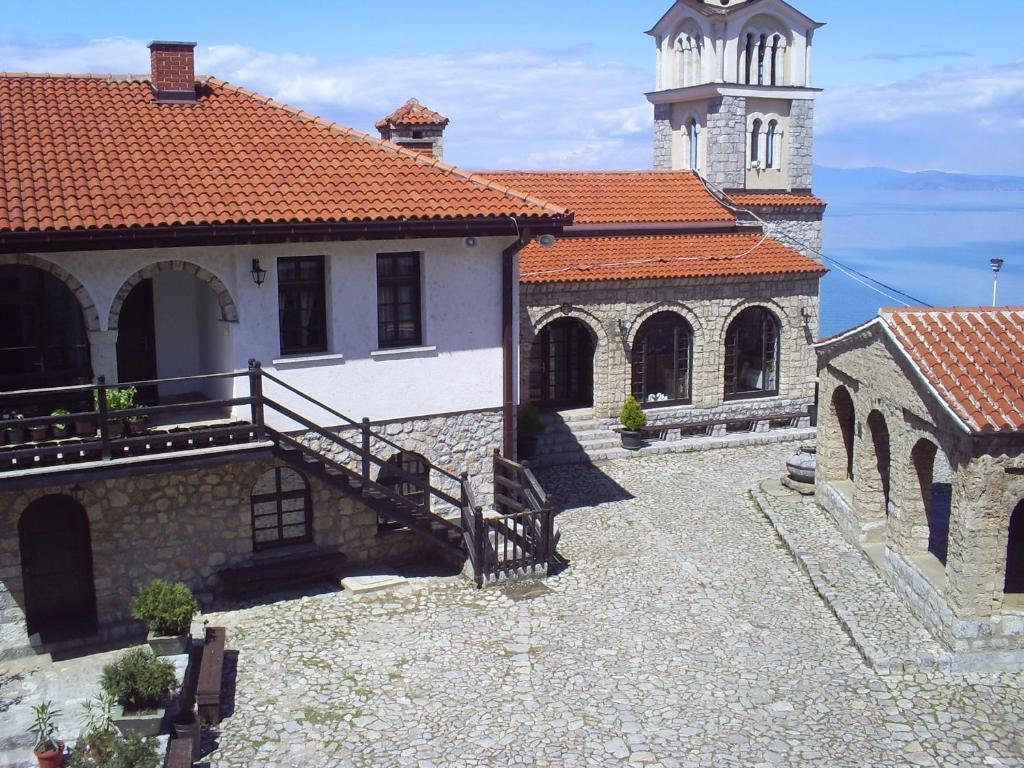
<point x="44" y="728"/>
<point x="167" y="609"/>
<point x="632" y="415"/>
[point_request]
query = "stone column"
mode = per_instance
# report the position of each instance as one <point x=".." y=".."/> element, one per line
<point x="103" y="351"/>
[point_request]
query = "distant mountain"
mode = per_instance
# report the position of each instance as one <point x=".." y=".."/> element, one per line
<point x="839" y="179"/>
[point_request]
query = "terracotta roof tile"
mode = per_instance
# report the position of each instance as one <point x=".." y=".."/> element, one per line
<point x="972" y="356"/>
<point x="579" y="259"/>
<point x="778" y="199"/>
<point x="413" y="113"/>
<point x="606" y="197"/>
<point x="87" y="152"/>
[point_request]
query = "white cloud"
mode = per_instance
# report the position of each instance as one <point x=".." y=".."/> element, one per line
<point x="517" y="108"/>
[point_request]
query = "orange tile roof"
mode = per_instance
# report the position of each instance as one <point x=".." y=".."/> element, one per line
<point x="972" y="356"/>
<point x="578" y="259"/>
<point x="782" y="199"/>
<point x="86" y="152"/>
<point x="412" y="113"/>
<point x="607" y="197"/>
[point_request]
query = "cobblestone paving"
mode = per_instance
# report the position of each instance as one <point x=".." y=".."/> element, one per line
<point x="683" y="634"/>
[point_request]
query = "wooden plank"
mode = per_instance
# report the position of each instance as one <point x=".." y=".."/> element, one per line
<point x="179" y="755"/>
<point x="211" y="671"/>
<point x="504" y="500"/>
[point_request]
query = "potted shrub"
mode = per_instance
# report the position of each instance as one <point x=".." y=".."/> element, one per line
<point x="99" y="734"/>
<point x="129" y="750"/>
<point x="530" y="428"/>
<point x="117" y="400"/>
<point x="15" y="433"/>
<point x="633" y="420"/>
<point x="48" y="749"/>
<point x="60" y="429"/>
<point x="167" y="609"/>
<point x="141" y="684"/>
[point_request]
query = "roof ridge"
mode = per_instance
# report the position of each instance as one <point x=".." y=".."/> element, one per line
<point x="352" y="133"/>
<point x="112" y="77"/>
<point x="588" y="171"/>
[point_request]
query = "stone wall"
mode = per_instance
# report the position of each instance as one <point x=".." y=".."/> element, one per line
<point x="961" y="601"/>
<point x="615" y="310"/>
<point x="180" y="525"/>
<point x="800" y="230"/>
<point x="801" y="144"/>
<point x="727" y="142"/>
<point x="663" y="137"/>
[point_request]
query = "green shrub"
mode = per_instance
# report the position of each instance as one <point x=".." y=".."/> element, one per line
<point x="121" y="751"/>
<point x="139" y="680"/>
<point x="166" y="608"/>
<point x="117" y="399"/>
<point x="44" y="727"/>
<point x="632" y="415"/>
<point x="530" y="424"/>
<point x="60" y="412"/>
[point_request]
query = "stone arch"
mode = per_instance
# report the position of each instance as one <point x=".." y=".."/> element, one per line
<point x="587" y="318"/>
<point x="929" y="502"/>
<point x="781" y="315"/>
<point x="228" y="308"/>
<point x="845" y="413"/>
<point x="665" y="306"/>
<point x="873" y="468"/>
<point x="90" y="315"/>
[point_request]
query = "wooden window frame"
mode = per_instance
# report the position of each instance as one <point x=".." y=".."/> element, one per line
<point x="278" y="496"/>
<point x="388" y="313"/>
<point x="768" y="340"/>
<point x="319" y="285"/>
<point x="682" y="359"/>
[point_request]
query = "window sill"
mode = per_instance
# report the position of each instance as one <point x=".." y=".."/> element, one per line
<point x="759" y="395"/>
<point x="306" y="359"/>
<point x="379" y="354"/>
<point x="666" y="405"/>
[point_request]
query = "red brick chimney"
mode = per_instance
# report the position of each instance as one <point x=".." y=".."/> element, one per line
<point x="173" y="71"/>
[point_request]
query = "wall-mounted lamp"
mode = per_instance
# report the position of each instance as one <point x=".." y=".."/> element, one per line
<point x="546" y="240"/>
<point x="259" y="275"/>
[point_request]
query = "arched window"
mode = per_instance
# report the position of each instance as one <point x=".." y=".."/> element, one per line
<point x="748" y="58"/>
<point x="693" y="134"/>
<point x="688" y="49"/>
<point x="762" y="55"/>
<point x="755" y="142"/>
<point x="769" y="152"/>
<point x="775" y="59"/>
<point x="752" y="354"/>
<point x="408" y="475"/>
<point x="662" y="355"/>
<point x="282" y="509"/>
<point x="762" y="48"/>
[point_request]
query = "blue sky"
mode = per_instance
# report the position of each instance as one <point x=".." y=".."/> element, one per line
<point x="542" y="84"/>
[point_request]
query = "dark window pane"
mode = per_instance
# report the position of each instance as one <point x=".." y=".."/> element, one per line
<point x="398" y="300"/>
<point x="302" y="305"/>
<point x="281" y="509"/>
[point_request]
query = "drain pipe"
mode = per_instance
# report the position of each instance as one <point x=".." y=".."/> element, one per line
<point x="508" y="345"/>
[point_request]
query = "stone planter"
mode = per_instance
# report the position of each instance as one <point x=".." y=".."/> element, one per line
<point x="632" y="440"/>
<point x="145" y="724"/>
<point x="168" y="645"/>
<point x="801" y="465"/>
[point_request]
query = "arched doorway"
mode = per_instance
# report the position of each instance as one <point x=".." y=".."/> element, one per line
<point x="562" y="365"/>
<point x="934" y="505"/>
<point x="56" y="568"/>
<point x="879" y="480"/>
<point x="1014" y="582"/>
<point x="846" y="418"/>
<point x="752" y="355"/>
<point x="43" y="341"/>
<point x="169" y="325"/>
<point x="661" y="360"/>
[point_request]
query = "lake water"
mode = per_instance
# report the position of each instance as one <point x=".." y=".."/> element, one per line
<point x="935" y="245"/>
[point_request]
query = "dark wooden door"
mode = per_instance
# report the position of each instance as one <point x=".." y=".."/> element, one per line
<point x="56" y="567"/>
<point x="567" y="364"/>
<point x="136" y="340"/>
<point x="1015" y="552"/>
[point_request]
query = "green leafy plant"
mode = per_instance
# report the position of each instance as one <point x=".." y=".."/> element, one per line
<point x="60" y="412"/>
<point x="100" y="731"/>
<point x="530" y="423"/>
<point x="632" y="415"/>
<point x="167" y="609"/>
<point x="138" y="680"/>
<point x="44" y="727"/>
<point x="117" y="399"/>
<point x="122" y="751"/>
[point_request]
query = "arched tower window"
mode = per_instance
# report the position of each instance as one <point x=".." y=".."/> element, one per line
<point x="755" y="141"/>
<point x="752" y="354"/>
<point x="770" y="158"/>
<point x="661" y="359"/>
<point x="762" y="55"/>
<point x="688" y="50"/>
<point x="693" y="136"/>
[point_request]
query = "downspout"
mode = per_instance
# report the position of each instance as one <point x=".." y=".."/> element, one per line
<point x="508" y="346"/>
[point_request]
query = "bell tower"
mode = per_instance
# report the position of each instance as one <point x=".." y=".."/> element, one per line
<point x="734" y="102"/>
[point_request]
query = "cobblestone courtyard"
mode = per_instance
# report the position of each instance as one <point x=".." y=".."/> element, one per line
<point x="683" y="634"/>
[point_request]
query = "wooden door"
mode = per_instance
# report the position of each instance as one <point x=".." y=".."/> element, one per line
<point x="56" y="567"/>
<point x="136" y="340"/>
<point x="567" y="364"/>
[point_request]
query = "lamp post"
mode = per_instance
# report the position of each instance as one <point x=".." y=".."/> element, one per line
<point x="997" y="265"/>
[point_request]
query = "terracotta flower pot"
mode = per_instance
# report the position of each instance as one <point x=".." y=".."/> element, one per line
<point x="51" y="759"/>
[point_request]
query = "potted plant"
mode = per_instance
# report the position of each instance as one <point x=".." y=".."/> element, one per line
<point x="129" y="750"/>
<point x="97" y="740"/>
<point x="141" y="684"/>
<point x="48" y="749"/>
<point x="633" y="420"/>
<point x="60" y="428"/>
<point x="117" y="400"/>
<point x="37" y="433"/>
<point x="167" y="609"/>
<point x="16" y="432"/>
<point x="530" y="428"/>
<point x="85" y="424"/>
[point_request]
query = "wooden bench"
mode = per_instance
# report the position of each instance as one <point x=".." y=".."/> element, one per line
<point x="211" y="671"/>
<point x="265" y="572"/>
<point x="179" y="754"/>
<point x="661" y="431"/>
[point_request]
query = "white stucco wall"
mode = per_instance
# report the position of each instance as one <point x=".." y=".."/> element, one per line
<point x="457" y="369"/>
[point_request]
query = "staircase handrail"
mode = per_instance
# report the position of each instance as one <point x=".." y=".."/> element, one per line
<point x="349" y="420"/>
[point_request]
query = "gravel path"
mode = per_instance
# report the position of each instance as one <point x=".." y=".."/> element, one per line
<point x="683" y="634"/>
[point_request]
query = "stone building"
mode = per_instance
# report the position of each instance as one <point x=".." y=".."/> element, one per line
<point x="921" y="462"/>
<point x="413" y="126"/>
<point x="734" y="102"/>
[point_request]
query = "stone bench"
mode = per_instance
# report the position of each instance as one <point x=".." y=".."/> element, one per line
<point x="274" y="570"/>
